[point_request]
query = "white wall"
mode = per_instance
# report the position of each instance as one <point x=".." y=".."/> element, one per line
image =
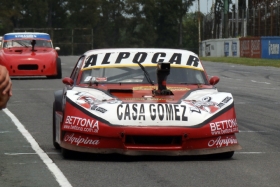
<point x="220" y="48"/>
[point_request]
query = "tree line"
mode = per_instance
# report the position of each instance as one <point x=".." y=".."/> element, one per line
<point x="115" y="23"/>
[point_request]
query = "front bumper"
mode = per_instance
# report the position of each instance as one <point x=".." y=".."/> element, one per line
<point x="107" y="145"/>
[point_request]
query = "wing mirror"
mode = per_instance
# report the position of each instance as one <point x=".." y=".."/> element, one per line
<point x="68" y="81"/>
<point x="214" y="80"/>
<point x="57" y="48"/>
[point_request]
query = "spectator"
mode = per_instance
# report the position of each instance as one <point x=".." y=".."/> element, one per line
<point x="5" y="87"/>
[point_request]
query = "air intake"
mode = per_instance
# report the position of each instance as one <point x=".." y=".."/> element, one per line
<point x="153" y="140"/>
<point x="28" y="67"/>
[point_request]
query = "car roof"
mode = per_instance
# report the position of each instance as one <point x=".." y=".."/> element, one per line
<point x="26" y="35"/>
<point x="117" y="57"/>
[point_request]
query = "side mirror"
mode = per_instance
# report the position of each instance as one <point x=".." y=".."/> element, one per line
<point x="214" y="80"/>
<point x="57" y="48"/>
<point x="68" y="81"/>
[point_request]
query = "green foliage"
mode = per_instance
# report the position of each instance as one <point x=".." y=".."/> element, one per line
<point x="190" y="27"/>
<point x="114" y="23"/>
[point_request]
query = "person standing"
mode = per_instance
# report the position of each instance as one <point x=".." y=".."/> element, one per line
<point x="5" y="87"/>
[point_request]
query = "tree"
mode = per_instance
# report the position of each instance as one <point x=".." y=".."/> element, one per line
<point x="10" y="14"/>
<point x="190" y="34"/>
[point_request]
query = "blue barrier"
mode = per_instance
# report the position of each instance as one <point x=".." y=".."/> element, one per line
<point x="270" y="47"/>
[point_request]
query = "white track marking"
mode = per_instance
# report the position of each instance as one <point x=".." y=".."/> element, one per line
<point x="59" y="176"/>
<point x="237" y="152"/>
<point x="50" y="153"/>
<point x="34" y="89"/>
<point x="1" y="132"/>
<point x="249" y="152"/>
<point x="260" y="82"/>
<point x="253" y="131"/>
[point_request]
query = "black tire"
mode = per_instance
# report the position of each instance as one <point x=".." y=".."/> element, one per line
<point x="58" y="70"/>
<point x="55" y="144"/>
<point x="67" y="154"/>
<point x="225" y="155"/>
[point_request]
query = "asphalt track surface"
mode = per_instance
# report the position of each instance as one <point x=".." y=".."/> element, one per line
<point x="28" y="159"/>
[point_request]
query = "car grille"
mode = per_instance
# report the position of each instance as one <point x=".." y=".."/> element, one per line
<point x="153" y="140"/>
<point x="28" y="67"/>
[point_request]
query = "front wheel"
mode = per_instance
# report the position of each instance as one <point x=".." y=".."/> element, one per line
<point x="55" y="144"/>
<point x="67" y="154"/>
<point x="58" y="70"/>
<point x="225" y="155"/>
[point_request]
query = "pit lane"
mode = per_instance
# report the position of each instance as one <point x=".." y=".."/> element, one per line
<point x="255" y="91"/>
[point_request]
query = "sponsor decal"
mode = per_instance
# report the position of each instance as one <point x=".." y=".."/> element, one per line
<point x="95" y="79"/>
<point x="273" y="49"/>
<point x="154" y="87"/>
<point x="88" y="78"/>
<point x="140" y="57"/>
<point x="90" y="103"/>
<point x="255" y="47"/>
<point x="234" y="48"/>
<point x="208" y="50"/>
<point x="98" y="108"/>
<point x="226" y="48"/>
<point x="219" y="142"/>
<point x="100" y="79"/>
<point x="25" y="36"/>
<point x="87" y="101"/>
<point x="166" y="112"/>
<point x="81" y="124"/>
<point x="206" y="98"/>
<point x="225" y="101"/>
<point x="223" y="127"/>
<point x="83" y="140"/>
<point x="148" y="99"/>
<point x="10" y="36"/>
<point x="205" y="105"/>
<point x="244" y="47"/>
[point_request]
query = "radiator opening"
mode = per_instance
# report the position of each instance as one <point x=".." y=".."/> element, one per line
<point x="153" y="140"/>
<point x="28" y="67"/>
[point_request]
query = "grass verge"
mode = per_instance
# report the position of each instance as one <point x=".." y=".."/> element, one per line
<point x="244" y="61"/>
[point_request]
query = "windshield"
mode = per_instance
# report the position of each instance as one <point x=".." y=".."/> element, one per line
<point x="26" y="43"/>
<point x="136" y="75"/>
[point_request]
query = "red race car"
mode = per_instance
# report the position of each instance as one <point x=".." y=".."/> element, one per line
<point x="30" y="54"/>
<point x="143" y="102"/>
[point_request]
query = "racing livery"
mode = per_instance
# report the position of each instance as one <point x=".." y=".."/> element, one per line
<point x="30" y="54"/>
<point x="143" y="101"/>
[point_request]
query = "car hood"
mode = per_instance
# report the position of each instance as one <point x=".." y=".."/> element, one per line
<point x="192" y="108"/>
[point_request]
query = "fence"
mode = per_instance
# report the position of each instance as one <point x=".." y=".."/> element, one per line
<point x="267" y="47"/>
<point x="71" y="41"/>
<point x="255" y="22"/>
